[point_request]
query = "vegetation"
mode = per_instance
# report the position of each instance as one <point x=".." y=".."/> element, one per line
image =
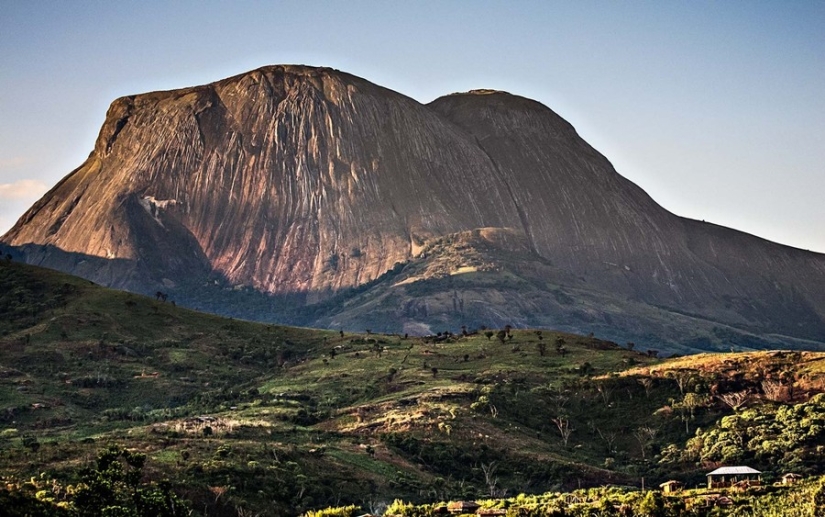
<point x="805" y="499"/>
<point x="790" y="437"/>
<point x="110" y="394"/>
<point x="112" y="487"/>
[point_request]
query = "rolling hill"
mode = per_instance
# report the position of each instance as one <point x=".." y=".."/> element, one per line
<point x="244" y="416"/>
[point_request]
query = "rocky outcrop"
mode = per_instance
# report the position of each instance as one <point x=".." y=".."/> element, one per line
<point x="292" y="180"/>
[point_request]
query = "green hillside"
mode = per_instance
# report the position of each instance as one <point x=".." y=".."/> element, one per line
<point x="246" y="418"/>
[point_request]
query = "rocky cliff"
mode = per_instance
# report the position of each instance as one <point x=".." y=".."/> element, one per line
<point x="309" y="184"/>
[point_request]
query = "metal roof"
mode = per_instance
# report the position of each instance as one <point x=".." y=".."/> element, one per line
<point x="721" y="471"/>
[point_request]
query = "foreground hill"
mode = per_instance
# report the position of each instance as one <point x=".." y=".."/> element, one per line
<point x="265" y="194"/>
<point x="251" y="417"/>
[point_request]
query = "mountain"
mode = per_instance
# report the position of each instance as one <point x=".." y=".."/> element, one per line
<point x="310" y="196"/>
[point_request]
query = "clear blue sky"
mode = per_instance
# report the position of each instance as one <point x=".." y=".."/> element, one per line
<point x="716" y="109"/>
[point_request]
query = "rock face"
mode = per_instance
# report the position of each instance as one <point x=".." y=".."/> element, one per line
<point x="308" y="183"/>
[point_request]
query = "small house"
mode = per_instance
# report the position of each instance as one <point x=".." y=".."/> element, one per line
<point x="460" y="507"/>
<point x="729" y="476"/>
<point x="791" y="478"/>
<point x="671" y="486"/>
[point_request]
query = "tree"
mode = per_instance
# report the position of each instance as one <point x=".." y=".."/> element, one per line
<point x="647" y="384"/>
<point x="484" y="401"/>
<point x="490" y="479"/>
<point x="652" y="505"/>
<point x="559" y="397"/>
<point x="818" y="503"/>
<point x="688" y="406"/>
<point x="30" y="442"/>
<point x="560" y="346"/>
<point x="645" y="436"/>
<point x="605" y="392"/>
<point x="218" y="491"/>
<point x="114" y="488"/>
<point x="563" y="425"/>
<point x="683" y="379"/>
<point x="609" y="439"/>
<point x="17" y="503"/>
<point x="488" y="334"/>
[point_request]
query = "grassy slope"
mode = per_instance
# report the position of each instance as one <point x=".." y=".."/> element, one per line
<point x="464" y="279"/>
<point x="301" y="418"/>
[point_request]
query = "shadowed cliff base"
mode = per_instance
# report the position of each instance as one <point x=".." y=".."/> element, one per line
<point x="421" y="298"/>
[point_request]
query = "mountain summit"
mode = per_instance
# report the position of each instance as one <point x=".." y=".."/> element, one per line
<point x="348" y="204"/>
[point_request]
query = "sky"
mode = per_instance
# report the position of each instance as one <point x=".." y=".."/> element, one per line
<point x="715" y="108"/>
